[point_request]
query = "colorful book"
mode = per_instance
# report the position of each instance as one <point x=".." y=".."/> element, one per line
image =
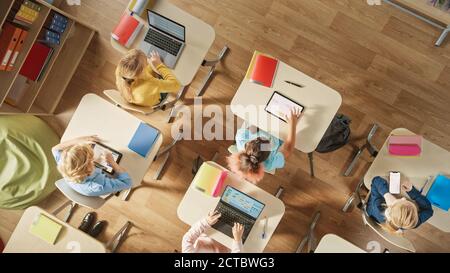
<point x="210" y="179"/>
<point x="264" y="70"/>
<point x="17" y="50"/>
<point x="126" y="31"/>
<point x="45" y="228"/>
<point x="9" y="38"/>
<point x="35" y="61"/>
<point x="143" y="139"/>
<point x="408" y="145"/>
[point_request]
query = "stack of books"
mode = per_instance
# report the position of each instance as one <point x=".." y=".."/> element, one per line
<point x="24" y="13"/>
<point x="49" y="37"/>
<point x="57" y="23"/>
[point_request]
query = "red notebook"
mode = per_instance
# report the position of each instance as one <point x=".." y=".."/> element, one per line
<point x="127" y="30"/>
<point x="35" y="61"/>
<point x="264" y="70"/>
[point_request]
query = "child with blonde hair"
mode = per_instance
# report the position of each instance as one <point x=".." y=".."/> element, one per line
<point x="75" y="160"/>
<point x="139" y="83"/>
<point x="398" y="214"/>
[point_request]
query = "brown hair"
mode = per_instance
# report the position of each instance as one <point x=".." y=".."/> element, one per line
<point x="249" y="163"/>
<point x="130" y="67"/>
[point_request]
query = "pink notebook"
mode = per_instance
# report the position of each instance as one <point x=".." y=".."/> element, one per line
<point x="405" y="145"/>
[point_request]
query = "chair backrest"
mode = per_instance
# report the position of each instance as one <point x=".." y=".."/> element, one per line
<point x="118" y="100"/>
<point x="397" y="240"/>
<point x="91" y="202"/>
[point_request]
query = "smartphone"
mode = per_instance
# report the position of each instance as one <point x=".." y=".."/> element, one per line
<point x="394" y="182"/>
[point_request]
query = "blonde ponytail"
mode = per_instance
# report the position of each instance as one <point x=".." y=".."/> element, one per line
<point x="130" y="67"/>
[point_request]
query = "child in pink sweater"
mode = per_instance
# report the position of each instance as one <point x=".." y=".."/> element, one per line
<point x="196" y="241"/>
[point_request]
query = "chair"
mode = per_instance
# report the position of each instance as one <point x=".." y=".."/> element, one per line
<point x="92" y="202"/>
<point x="368" y="145"/>
<point x="397" y="240"/>
<point x="119" y="101"/>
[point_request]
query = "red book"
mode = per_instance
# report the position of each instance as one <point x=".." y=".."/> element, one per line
<point x="264" y="70"/>
<point x="127" y="30"/>
<point x="35" y="61"/>
<point x="8" y="40"/>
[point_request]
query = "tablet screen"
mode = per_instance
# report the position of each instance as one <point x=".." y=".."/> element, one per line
<point x="280" y="106"/>
<point x="99" y="157"/>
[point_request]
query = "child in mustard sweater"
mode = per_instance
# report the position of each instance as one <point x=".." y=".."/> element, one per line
<point x="138" y="82"/>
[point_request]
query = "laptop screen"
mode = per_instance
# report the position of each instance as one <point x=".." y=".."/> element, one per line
<point x="242" y="202"/>
<point x="166" y="25"/>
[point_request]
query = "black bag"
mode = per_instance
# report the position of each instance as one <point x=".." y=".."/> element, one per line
<point x="336" y="136"/>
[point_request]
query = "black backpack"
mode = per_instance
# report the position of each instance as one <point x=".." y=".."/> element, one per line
<point x="337" y="134"/>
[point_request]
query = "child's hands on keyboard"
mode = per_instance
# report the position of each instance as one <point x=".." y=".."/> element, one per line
<point x="238" y="231"/>
<point x="213" y="217"/>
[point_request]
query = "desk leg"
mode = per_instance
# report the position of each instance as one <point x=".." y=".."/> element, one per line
<point x="311" y="163"/>
<point x="166" y="153"/>
<point x="309" y="238"/>
<point x="69" y="213"/>
<point x="212" y="64"/>
<point x="368" y="145"/>
<point x="443" y="35"/>
<point x="279" y="192"/>
<point x="173" y="112"/>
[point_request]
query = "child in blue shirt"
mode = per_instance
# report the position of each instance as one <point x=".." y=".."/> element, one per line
<point x="260" y="151"/>
<point x="397" y="214"/>
<point x="75" y="159"/>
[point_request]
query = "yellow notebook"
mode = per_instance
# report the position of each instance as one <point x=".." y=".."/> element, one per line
<point x="46" y="229"/>
<point x="209" y="179"/>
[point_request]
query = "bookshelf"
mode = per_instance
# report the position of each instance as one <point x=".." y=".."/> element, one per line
<point x="42" y="97"/>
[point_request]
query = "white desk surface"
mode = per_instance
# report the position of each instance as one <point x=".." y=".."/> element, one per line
<point x="331" y="243"/>
<point x="196" y="205"/>
<point x="320" y="101"/>
<point x="115" y="127"/>
<point x="70" y="239"/>
<point x="433" y="160"/>
<point x="199" y="38"/>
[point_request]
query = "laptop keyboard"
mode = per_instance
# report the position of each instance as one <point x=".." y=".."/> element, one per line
<point x="163" y="42"/>
<point x="230" y="216"/>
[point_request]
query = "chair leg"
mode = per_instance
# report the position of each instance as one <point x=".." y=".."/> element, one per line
<point x="441" y="38"/>
<point x="311" y="164"/>
<point x="309" y="238"/>
<point x="355" y="196"/>
<point x="166" y="153"/>
<point x="279" y="192"/>
<point x="72" y="205"/>
<point x="212" y="64"/>
<point x="119" y="237"/>
<point x="172" y="105"/>
<point x="354" y="161"/>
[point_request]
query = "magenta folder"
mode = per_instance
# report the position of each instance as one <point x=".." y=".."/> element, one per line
<point x="410" y="145"/>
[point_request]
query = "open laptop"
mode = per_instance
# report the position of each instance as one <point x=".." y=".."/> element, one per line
<point x="165" y="36"/>
<point x="237" y="207"/>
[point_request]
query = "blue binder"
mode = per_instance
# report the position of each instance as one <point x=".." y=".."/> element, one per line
<point x="439" y="193"/>
<point x="143" y="140"/>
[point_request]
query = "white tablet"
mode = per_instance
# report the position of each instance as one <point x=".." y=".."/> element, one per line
<point x="280" y="106"/>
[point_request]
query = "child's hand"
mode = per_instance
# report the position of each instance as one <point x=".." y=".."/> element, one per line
<point x="238" y="231"/>
<point x="155" y="59"/>
<point x="90" y="139"/>
<point x="406" y="184"/>
<point x="294" y="116"/>
<point x="109" y="158"/>
<point x="213" y="217"/>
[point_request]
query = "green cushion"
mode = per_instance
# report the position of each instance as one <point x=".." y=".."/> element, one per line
<point x="27" y="168"/>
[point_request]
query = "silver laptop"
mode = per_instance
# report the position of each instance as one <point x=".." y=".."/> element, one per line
<point x="165" y="36"/>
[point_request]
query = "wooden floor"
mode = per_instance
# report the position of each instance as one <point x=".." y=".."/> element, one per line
<point x="382" y="61"/>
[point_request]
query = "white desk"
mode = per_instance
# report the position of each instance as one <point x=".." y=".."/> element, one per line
<point x="115" y="127"/>
<point x="199" y="38"/>
<point x="320" y="101"/>
<point x="433" y="160"/>
<point x="331" y="243"/>
<point x="196" y="205"/>
<point x="70" y="239"/>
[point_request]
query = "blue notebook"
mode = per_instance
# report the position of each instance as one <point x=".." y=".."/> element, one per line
<point x="439" y="193"/>
<point x="143" y="140"/>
